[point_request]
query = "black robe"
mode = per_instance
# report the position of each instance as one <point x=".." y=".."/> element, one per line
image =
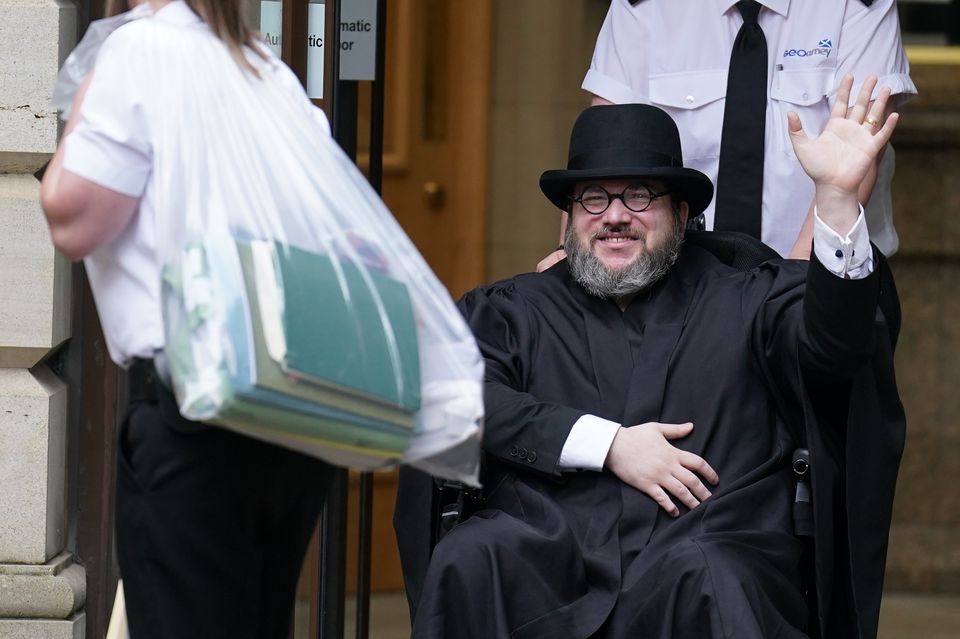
<point x="758" y="361"/>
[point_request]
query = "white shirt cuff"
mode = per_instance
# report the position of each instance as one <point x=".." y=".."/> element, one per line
<point x="587" y="444"/>
<point x="105" y="162"/>
<point x="902" y="89"/>
<point x="610" y="89"/>
<point x="849" y="257"/>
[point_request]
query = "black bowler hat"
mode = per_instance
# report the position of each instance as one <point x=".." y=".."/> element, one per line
<point x="623" y="141"/>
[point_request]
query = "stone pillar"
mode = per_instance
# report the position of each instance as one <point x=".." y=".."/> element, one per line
<point x="41" y="590"/>
<point x="925" y="537"/>
<point x="535" y="99"/>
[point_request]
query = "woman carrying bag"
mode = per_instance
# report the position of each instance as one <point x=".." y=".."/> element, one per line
<point x="212" y="526"/>
<point x="245" y="275"/>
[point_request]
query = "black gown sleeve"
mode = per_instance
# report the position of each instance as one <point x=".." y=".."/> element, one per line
<point x="519" y="429"/>
<point x="824" y="326"/>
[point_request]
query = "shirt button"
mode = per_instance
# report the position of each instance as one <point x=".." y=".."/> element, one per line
<point x="514" y="451"/>
<point x="805" y="96"/>
<point x="523" y="453"/>
<point x="689" y="99"/>
<point x="839" y="253"/>
<point x="532" y="457"/>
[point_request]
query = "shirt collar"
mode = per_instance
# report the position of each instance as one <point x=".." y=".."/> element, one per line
<point x="177" y="12"/>
<point x="777" y="6"/>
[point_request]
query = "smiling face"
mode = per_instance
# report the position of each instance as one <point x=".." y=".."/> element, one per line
<point x="619" y="251"/>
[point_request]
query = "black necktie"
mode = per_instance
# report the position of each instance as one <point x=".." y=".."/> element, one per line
<point x="740" y="178"/>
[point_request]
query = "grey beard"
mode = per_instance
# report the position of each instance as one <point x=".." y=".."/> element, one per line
<point x="600" y="281"/>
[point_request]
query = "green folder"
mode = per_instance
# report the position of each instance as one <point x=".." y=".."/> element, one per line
<point x="270" y="375"/>
<point x="346" y="329"/>
<point x="354" y="432"/>
<point x="300" y="431"/>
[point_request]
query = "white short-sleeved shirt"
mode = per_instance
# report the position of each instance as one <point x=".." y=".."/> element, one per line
<point x="675" y="54"/>
<point x="112" y="145"/>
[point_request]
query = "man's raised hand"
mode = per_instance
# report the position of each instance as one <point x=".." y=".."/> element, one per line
<point x="843" y="153"/>
<point x="842" y="156"/>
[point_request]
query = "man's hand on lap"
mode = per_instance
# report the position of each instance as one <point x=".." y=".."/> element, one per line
<point x="643" y="457"/>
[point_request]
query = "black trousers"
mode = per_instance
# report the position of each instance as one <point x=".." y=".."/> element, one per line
<point x="212" y="526"/>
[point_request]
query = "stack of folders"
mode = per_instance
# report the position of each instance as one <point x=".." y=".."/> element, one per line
<point x="333" y="360"/>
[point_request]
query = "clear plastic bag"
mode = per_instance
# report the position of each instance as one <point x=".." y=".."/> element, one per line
<point x="81" y="60"/>
<point x="296" y="309"/>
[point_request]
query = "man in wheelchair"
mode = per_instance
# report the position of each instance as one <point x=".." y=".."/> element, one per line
<point x="644" y="400"/>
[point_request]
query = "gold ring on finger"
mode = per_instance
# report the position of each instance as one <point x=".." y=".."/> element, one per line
<point x="871" y="121"/>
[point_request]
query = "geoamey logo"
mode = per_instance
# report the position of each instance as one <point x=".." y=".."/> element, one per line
<point x="823" y="48"/>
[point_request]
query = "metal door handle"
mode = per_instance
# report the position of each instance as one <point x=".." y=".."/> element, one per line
<point x="433" y="194"/>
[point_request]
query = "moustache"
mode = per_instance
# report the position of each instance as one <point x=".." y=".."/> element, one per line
<point x="621" y="231"/>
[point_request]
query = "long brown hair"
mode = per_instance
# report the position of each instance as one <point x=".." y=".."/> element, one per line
<point x="225" y="20"/>
<point x="114" y="7"/>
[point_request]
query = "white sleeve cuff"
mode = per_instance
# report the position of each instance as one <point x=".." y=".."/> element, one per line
<point x="902" y="89"/>
<point x="106" y="162"/>
<point x="587" y="444"/>
<point x="849" y="257"/>
<point x="609" y="89"/>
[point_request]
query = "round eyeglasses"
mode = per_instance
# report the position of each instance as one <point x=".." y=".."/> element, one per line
<point x="636" y="197"/>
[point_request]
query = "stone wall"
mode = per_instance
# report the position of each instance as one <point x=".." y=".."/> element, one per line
<point x="41" y="589"/>
<point x="925" y="539"/>
<point x="542" y="50"/>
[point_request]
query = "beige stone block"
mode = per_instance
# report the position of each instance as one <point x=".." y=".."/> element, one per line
<point x="34" y="278"/>
<point x="35" y="38"/>
<point x="542" y="49"/>
<point x="54" y="590"/>
<point x="948" y="327"/>
<point x="527" y="140"/>
<point x="33" y="412"/>
<point x="926" y="194"/>
<point x="72" y="628"/>
<point x="928" y="366"/>
<point x="918" y="350"/>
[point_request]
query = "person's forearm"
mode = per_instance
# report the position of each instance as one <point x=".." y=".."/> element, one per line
<point x="801" y="247"/>
<point x="54" y="170"/>
<point x="82" y="215"/>
<point x="838" y="208"/>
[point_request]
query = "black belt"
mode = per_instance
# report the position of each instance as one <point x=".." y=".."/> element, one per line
<point x="142" y="379"/>
<point x="145" y="384"/>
